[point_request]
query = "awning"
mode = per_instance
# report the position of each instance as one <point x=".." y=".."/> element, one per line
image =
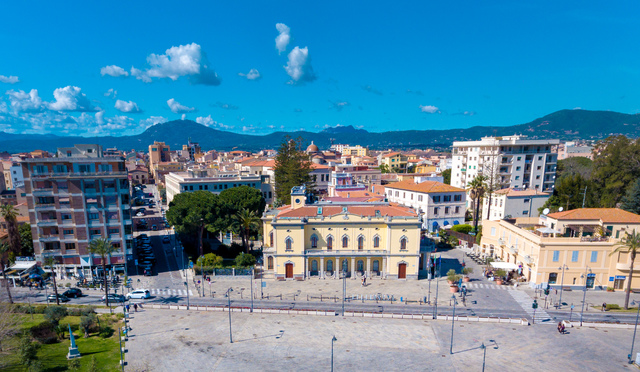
<point x="548" y="230"/>
<point x="63" y="200"/>
<point x="504" y="265"/>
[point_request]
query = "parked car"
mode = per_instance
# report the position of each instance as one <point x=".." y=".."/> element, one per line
<point x="139" y="293"/>
<point x="139" y="214"/>
<point x="61" y="297"/>
<point x="154" y="227"/>
<point x="73" y="292"/>
<point x="114" y="298"/>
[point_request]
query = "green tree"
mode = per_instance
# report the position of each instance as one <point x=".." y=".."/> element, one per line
<point x="26" y="240"/>
<point x="210" y="260"/>
<point x="631" y="244"/>
<point x="476" y="189"/>
<point x="50" y="262"/>
<point x="192" y="212"/>
<point x="462" y="228"/>
<point x="245" y="260"/>
<point x="234" y="200"/>
<point x="103" y="248"/>
<point x="10" y="215"/>
<point x="615" y="167"/>
<point x="4" y="259"/>
<point x="28" y="352"/>
<point x="292" y="168"/>
<point x="246" y="221"/>
<point x="577" y="165"/>
<point x="54" y="314"/>
<point x="86" y="322"/>
<point x="446" y="175"/>
<point x="569" y="194"/>
<point x="384" y="168"/>
<point x="631" y="201"/>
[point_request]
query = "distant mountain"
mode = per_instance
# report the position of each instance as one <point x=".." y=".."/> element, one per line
<point x="564" y="125"/>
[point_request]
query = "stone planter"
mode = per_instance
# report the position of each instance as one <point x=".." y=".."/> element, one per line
<point x="499" y="281"/>
<point x="466" y="279"/>
<point x="454" y="288"/>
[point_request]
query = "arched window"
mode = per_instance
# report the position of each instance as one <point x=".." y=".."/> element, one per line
<point x="329" y="265"/>
<point x="376" y="241"/>
<point x="329" y="243"/>
<point x="403" y="243"/>
<point x="314" y="241"/>
<point x="376" y="265"/>
<point x="288" y="242"/>
<point x="360" y="265"/>
<point x="271" y="239"/>
<point x="345" y="242"/>
<point x="360" y="243"/>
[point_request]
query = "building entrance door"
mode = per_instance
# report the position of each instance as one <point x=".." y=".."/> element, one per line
<point x="289" y="270"/>
<point x="402" y="271"/>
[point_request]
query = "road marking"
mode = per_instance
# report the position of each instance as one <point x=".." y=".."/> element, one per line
<point x="525" y="302"/>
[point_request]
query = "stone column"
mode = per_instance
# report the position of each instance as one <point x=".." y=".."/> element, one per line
<point x="353" y="267"/>
<point x="385" y="269"/>
<point x="321" y="268"/>
<point x="368" y="267"/>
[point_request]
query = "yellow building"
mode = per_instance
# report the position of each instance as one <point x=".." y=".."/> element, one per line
<point x="394" y="160"/>
<point x="579" y="240"/>
<point x="304" y="240"/>
<point x="355" y="151"/>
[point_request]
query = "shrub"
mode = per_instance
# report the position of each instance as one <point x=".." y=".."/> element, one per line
<point x="245" y="260"/>
<point x="28" y="352"/>
<point x="467" y="270"/>
<point x="210" y="259"/>
<point x="452" y="276"/>
<point x="73" y="364"/>
<point x="500" y="273"/>
<point x="54" y="314"/>
<point x="75" y="311"/>
<point x="68" y="285"/>
<point x="613" y="307"/>
<point x="44" y="333"/>
<point x="106" y="332"/>
<point x="462" y="228"/>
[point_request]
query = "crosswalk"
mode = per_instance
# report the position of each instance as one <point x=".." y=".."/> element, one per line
<point x="169" y="292"/>
<point x="487" y="286"/>
<point x="525" y="301"/>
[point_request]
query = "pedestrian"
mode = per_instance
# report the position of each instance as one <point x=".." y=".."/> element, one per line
<point x="135" y="307"/>
<point x="127" y="307"/>
<point x="604" y="306"/>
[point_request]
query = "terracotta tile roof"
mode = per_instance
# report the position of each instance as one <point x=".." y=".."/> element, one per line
<point x="361" y="210"/>
<point x="606" y="215"/>
<point x="319" y="166"/>
<point x="391" y="154"/>
<point x="423" y="187"/>
<point x="517" y="192"/>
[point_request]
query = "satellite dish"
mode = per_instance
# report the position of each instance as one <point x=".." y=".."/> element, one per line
<point x="560" y="209"/>
<point x="545" y="211"/>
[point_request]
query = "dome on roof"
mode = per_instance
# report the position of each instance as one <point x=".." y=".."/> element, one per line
<point x="312" y="148"/>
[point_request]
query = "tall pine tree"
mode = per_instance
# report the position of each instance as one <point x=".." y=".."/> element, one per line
<point x="631" y="200"/>
<point x="292" y="169"/>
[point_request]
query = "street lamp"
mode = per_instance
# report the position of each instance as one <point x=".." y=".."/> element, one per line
<point x="453" y="321"/>
<point x="563" y="268"/>
<point x="584" y="291"/>
<point x="251" y="289"/>
<point x="484" y="352"/>
<point x="344" y="287"/>
<point x="229" y="298"/>
<point x="332" y="341"/>
<point x="637" y="303"/>
<point x="438" y="267"/>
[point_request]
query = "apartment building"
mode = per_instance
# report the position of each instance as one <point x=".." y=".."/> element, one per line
<point x="13" y="176"/>
<point x="158" y="153"/>
<point x="574" y="150"/>
<point x="215" y="182"/>
<point x="361" y="174"/>
<point x="438" y="204"/>
<point x="513" y="203"/>
<point x="74" y="198"/>
<point x="511" y="161"/>
<point x="570" y="248"/>
<point x="395" y="161"/>
<point x="321" y="240"/>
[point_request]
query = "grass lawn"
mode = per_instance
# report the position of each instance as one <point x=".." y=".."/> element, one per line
<point x="54" y="356"/>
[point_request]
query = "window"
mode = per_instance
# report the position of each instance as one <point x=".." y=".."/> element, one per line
<point x="435" y="211"/>
<point x="39" y="169"/>
<point x="574" y="256"/>
<point x="67" y="232"/>
<point x="446" y="210"/>
<point x="329" y="243"/>
<point x="457" y="210"/>
<point x="517" y="168"/>
<point x="527" y="200"/>
<point x="594" y="256"/>
<point x="93" y="216"/>
<point x="345" y="242"/>
<point x="403" y="243"/>
<point x="83" y="168"/>
<point x="314" y="241"/>
<point x="360" y="243"/>
<point x="69" y="246"/>
<point x="45" y="200"/>
<point x="493" y="231"/>
<point x="556" y="256"/>
<point x="376" y="241"/>
<point x="525" y="213"/>
<point x="517" y="177"/>
<point x="539" y="157"/>
<point x="94" y="232"/>
<point x="287" y="243"/>
<point x="419" y="198"/>
<point x="457" y="198"/>
<point x="411" y="196"/>
<point x="113" y="231"/>
<point x="436" y="199"/>
<point x="553" y="278"/>
<point x="65" y="216"/>
<point x="271" y="239"/>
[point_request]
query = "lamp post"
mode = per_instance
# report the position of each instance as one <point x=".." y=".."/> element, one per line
<point x="584" y="291"/>
<point x="344" y="287"/>
<point x="186" y="284"/>
<point x="637" y="303"/>
<point x="435" y="309"/>
<point x="229" y="298"/>
<point x="251" y="290"/>
<point x="563" y="268"/>
<point x="484" y="352"/>
<point x="453" y="322"/>
<point x="332" y="341"/>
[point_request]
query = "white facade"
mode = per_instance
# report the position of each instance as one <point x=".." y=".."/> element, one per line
<point x="438" y="204"/>
<point x="510" y="203"/>
<point x="515" y="162"/>
<point x="179" y="182"/>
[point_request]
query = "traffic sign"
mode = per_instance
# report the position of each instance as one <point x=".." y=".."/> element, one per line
<point x="264" y="284"/>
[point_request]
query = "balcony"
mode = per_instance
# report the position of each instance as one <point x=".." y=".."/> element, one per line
<point x="45" y="207"/>
<point x="501" y="242"/>
<point x="43" y="191"/>
<point x="528" y="259"/>
<point x="53" y="222"/>
<point x="513" y="250"/>
<point x="624" y="266"/>
<point x="346" y="252"/>
<point x="74" y="175"/>
<point x="49" y="238"/>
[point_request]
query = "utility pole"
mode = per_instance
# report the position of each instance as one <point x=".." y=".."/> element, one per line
<point x="584" y="196"/>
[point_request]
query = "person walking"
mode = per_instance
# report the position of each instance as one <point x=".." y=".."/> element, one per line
<point x="127" y="307"/>
<point x="135" y="307"/>
<point x="604" y="306"/>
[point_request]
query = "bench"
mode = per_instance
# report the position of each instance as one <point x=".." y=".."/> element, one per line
<point x="280" y="279"/>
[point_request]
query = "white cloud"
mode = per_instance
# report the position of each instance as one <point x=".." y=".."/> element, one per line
<point x="100" y="117"/>
<point x="283" y="39"/>
<point x="130" y="106"/>
<point x="111" y="93"/>
<point x="70" y="99"/>
<point x="9" y="79"/>
<point x="184" y="116"/>
<point x="253" y="74"/>
<point x="249" y="128"/>
<point x="299" y="66"/>
<point x="184" y="60"/>
<point x="339" y="105"/>
<point x="114" y="71"/>
<point x="152" y="120"/>
<point x="206" y="120"/>
<point x="25" y="102"/>
<point x="178" y="108"/>
<point x="429" y="109"/>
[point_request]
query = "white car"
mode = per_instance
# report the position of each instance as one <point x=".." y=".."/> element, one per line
<point x="139" y="293"/>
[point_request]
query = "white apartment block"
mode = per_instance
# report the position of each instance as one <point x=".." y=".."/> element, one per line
<point x="514" y="162"/>
<point x="513" y="203"/>
<point x="439" y="204"/>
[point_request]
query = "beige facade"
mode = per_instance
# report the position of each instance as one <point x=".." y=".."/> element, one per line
<point x="580" y="240"/>
<point x="322" y="240"/>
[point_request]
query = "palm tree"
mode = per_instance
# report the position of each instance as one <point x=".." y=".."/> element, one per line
<point x="4" y="250"/>
<point x="476" y="189"/>
<point x="246" y="220"/>
<point x="49" y="261"/>
<point x="103" y="248"/>
<point x="630" y="243"/>
<point x="10" y="215"/>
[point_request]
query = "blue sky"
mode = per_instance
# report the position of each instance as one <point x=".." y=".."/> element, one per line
<point x="376" y="65"/>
